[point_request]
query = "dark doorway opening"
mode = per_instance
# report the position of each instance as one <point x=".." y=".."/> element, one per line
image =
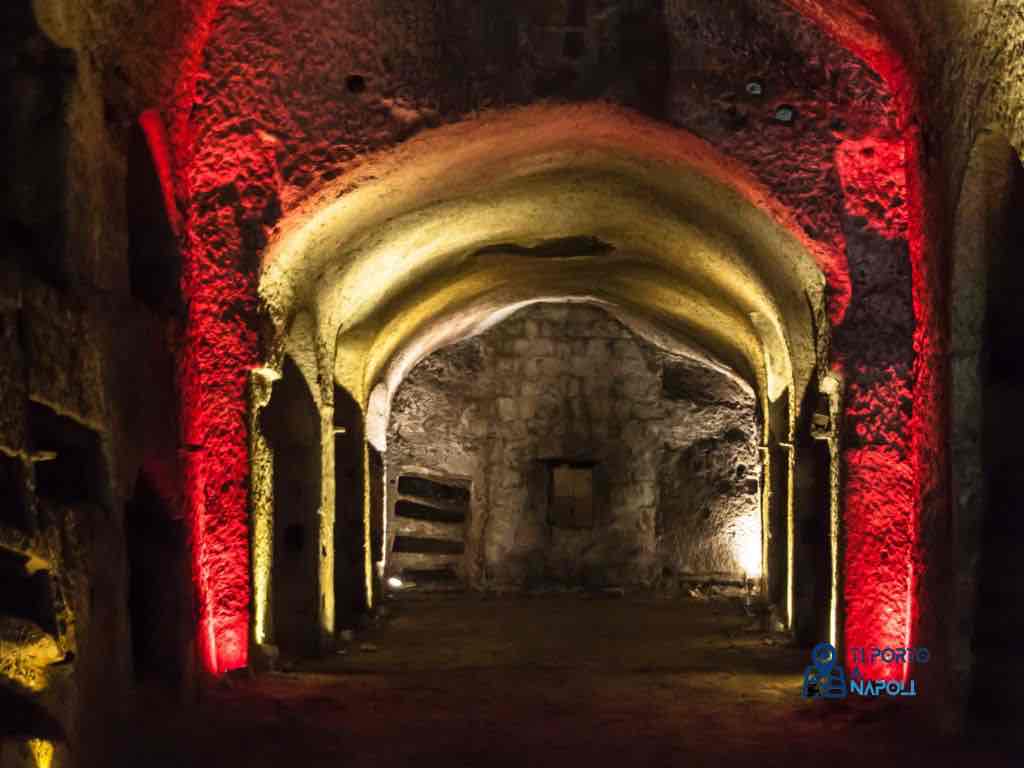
<point x="377" y="479"/>
<point x="15" y="509"/>
<point x="154" y="265"/>
<point x="158" y="595"/>
<point x="812" y="511"/>
<point x="350" y="565"/>
<point x="291" y="425"/>
<point x="73" y="469"/>
<point x="998" y="620"/>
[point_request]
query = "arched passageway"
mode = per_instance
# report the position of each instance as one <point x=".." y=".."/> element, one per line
<point x="581" y="218"/>
<point x="794" y="267"/>
<point x="340" y="218"/>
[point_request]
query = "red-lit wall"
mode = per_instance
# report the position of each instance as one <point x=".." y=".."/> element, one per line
<point x="264" y="116"/>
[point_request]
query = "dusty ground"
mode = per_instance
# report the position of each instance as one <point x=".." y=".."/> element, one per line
<point x="545" y="681"/>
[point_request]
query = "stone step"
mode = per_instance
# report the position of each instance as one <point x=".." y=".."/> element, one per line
<point x="399" y="561"/>
<point x="425" y="509"/>
<point x="434" y="492"/>
<point x="429" y="529"/>
<point x="432" y="579"/>
<point x="427" y="546"/>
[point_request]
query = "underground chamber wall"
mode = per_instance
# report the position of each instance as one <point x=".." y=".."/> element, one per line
<point x="583" y="454"/>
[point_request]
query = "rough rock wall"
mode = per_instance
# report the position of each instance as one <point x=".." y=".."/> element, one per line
<point x="389" y="69"/>
<point x="86" y="408"/>
<point x="965" y="89"/>
<point x="965" y="55"/>
<point x="673" y="444"/>
<point x="770" y="89"/>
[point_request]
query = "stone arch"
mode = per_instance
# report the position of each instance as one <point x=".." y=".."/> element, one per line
<point x="886" y="346"/>
<point x="438" y="238"/>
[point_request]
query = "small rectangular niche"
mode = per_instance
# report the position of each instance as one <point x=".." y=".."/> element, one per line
<point x="26" y="595"/>
<point x="75" y="474"/>
<point x="14" y="510"/>
<point x="572" y="494"/>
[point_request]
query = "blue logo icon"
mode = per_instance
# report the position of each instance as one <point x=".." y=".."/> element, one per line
<point x="824" y="679"/>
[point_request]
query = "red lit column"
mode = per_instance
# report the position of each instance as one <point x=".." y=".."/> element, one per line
<point x="877" y="347"/>
<point x="233" y="199"/>
<point x="893" y="495"/>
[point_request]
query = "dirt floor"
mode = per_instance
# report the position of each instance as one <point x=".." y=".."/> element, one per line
<point x="556" y="680"/>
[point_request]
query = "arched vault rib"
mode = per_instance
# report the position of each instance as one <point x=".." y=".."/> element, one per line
<point x="388" y="365"/>
<point x="690" y="239"/>
<point x="472" y="218"/>
<point x="711" y="318"/>
<point x="426" y="319"/>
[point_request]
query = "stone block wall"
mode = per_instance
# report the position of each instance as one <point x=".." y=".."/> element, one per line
<point x="672" y="444"/>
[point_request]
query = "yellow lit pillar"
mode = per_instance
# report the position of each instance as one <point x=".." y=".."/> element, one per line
<point x="325" y="568"/>
<point x="790" y="450"/>
<point x="831" y="386"/>
<point x="367" y="527"/>
<point x="766" y="510"/>
<point x="777" y="505"/>
<point x="261" y="505"/>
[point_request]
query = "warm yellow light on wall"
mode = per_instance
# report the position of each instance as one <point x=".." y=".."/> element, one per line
<point x="747" y="541"/>
<point x="790" y="532"/>
<point x="831" y="385"/>
<point x="42" y="752"/>
<point x="261" y="502"/>
<point x="25" y="653"/>
<point x="407" y="253"/>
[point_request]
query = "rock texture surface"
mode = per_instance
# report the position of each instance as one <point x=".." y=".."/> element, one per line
<point x="218" y="73"/>
<point x="670" y="442"/>
<point x="827" y="129"/>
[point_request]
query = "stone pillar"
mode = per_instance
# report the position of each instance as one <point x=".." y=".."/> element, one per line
<point x="326" y="534"/>
<point x="261" y="508"/>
